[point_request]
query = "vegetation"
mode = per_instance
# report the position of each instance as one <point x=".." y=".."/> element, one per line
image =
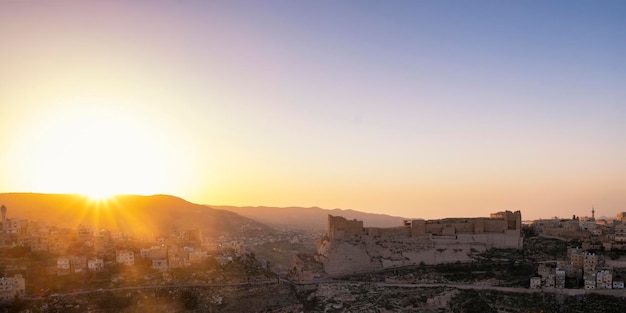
<point x="280" y="254"/>
<point x="545" y="249"/>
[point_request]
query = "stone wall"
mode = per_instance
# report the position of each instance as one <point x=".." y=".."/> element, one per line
<point x="388" y="232"/>
<point x="349" y="248"/>
<point x="339" y="227"/>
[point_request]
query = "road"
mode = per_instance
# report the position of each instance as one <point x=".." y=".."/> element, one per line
<point x="570" y="292"/>
<point x="144" y="287"/>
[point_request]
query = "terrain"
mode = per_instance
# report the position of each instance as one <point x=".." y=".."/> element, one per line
<point x="313" y="218"/>
<point x="283" y="297"/>
<point x="135" y="215"/>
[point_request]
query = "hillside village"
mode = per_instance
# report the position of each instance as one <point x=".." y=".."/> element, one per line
<point x="588" y="266"/>
<point x="47" y="259"/>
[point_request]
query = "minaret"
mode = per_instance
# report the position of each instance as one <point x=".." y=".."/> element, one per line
<point x="4" y="217"/>
<point x="593" y="213"/>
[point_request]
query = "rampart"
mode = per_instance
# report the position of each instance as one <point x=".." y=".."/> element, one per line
<point x="349" y="247"/>
<point x="339" y="227"/>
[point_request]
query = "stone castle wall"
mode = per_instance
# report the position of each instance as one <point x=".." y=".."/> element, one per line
<point x="339" y="227"/>
<point x="350" y="248"/>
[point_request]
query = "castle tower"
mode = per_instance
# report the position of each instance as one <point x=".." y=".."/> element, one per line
<point x="4" y="217"/>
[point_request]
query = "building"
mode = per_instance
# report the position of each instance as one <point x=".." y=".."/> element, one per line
<point x="12" y="288"/>
<point x="102" y="242"/>
<point x="559" y="278"/>
<point x="177" y="258"/>
<point x="84" y="234"/>
<point x="590" y="262"/>
<point x="550" y="281"/>
<point x="125" y="257"/>
<point x="620" y="233"/>
<point x="590" y="280"/>
<point x="95" y="265"/>
<point x="154" y="252"/>
<point x="567" y="267"/>
<point x="576" y="257"/>
<point x="618" y="283"/>
<point x="535" y="282"/>
<point x="604" y="279"/>
<point x="564" y="228"/>
<point x="14" y="225"/>
<point x="63" y="266"/>
<point x="197" y="256"/>
<point x="159" y="264"/>
<point x="39" y="245"/>
<point x="78" y="264"/>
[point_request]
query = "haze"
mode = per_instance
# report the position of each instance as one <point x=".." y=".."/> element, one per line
<point x="418" y="109"/>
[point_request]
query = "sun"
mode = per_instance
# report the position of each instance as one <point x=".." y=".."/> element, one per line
<point x="99" y="196"/>
<point x="98" y="151"/>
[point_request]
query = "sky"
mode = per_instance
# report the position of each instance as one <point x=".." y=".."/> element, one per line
<point x="423" y="109"/>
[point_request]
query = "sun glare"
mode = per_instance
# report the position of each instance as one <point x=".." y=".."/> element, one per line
<point x="99" y="196"/>
<point x="98" y="151"/>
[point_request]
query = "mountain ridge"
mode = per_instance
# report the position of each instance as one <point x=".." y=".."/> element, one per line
<point x="308" y="218"/>
<point x="133" y="214"/>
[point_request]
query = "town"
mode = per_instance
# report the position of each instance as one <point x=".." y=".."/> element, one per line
<point x="590" y="265"/>
<point x="40" y="260"/>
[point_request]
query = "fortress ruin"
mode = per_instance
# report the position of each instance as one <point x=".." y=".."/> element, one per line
<point x="349" y="247"/>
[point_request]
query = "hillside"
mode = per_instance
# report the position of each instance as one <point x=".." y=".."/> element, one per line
<point x="139" y="215"/>
<point x="309" y="218"/>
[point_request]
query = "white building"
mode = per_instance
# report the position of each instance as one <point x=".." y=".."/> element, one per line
<point x="618" y="284"/>
<point x="590" y="281"/>
<point x="620" y="233"/>
<point x="596" y="232"/>
<point x="95" y="265"/>
<point x="587" y="224"/>
<point x="154" y="252"/>
<point x="125" y="257"/>
<point x="604" y="279"/>
<point x="12" y="287"/>
<point x="63" y="265"/>
<point x="535" y="282"/>
<point x="14" y="225"/>
<point x="159" y="264"/>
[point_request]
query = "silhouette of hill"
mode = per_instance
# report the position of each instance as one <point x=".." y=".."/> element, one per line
<point x="309" y="218"/>
<point x="139" y="215"/>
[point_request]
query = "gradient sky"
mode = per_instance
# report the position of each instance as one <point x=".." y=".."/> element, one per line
<point x="412" y="108"/>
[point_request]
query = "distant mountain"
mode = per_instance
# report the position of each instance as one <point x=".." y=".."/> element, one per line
<point x="309" y="218"/>
<point x="139" y="215"/>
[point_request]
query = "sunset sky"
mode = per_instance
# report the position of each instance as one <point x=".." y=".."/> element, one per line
<point x="411" y="108"/>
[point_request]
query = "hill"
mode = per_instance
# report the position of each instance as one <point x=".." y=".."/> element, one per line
<point x="309" y="218"/>
<point x="138" y="215"/>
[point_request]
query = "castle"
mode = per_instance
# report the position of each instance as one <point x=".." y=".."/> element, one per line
<point x="506" y="222"/>
<point x="349" y="247"/>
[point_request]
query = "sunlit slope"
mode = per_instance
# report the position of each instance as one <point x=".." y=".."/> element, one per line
<point x="309" y="218"/>
<point x="138" y="215"/>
